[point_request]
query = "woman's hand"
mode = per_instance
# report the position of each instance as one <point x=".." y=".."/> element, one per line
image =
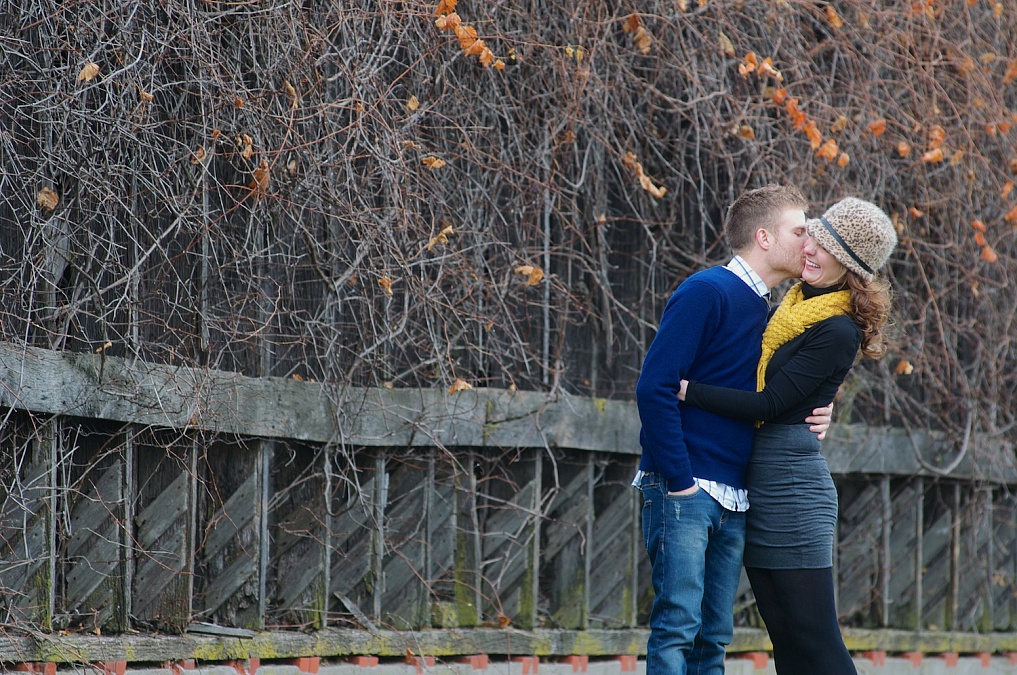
<point x="681" y="390"/>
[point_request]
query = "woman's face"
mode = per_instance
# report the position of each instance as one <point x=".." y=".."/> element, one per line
<point x="821" y="269"/>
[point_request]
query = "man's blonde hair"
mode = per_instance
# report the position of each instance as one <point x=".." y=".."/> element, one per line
<point x="761" y="207"/>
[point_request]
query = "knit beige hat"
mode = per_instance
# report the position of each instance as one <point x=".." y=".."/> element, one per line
<point x="857" y="233"/>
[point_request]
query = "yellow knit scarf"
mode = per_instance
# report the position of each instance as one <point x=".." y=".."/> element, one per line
<point x="794" y="315"/>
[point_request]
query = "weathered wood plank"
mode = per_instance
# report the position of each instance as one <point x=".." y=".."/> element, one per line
<point x="615" y="547"/>
<point x="974" y="611"/>
<point x="298" y="536"/>
<point x="163" y="579"/>
<point x="404" y="592"/>
<point x="858" y="552"/>
<point x="507" y="513"/>
<point x="335" y="642"/>
<point x="353" y="543"/>
<point x="105" y="387"/>
<point x="1004" y="580"/>
<point x="27" y="513"/>
<point x="95" y="558"/>
<point x="936" y="564"/>
<point x="902" y="584"/>
<point x="565" y="534"/>
<point x="228" y="582"/>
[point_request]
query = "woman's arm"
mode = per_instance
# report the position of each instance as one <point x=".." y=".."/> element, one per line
<point x="832" y="346"/>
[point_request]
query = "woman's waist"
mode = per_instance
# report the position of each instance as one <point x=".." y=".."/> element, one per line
<point x="786" y="439"/>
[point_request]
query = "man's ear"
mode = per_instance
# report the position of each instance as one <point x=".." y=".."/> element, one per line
<point x="764" y="239"/>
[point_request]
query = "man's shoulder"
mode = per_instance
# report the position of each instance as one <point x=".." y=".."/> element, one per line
<point x="717" y="276"/>
<point x="718" y="281"/>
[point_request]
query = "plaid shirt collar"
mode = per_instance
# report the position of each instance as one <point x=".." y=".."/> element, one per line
<point x="749" y="276"/>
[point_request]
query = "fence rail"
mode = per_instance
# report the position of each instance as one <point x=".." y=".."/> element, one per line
<point x="146" y="498"/>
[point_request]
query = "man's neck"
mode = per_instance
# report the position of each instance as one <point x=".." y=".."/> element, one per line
<point x="756" y="260"/>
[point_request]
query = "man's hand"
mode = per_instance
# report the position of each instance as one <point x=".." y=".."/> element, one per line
<point x="820" y="421"/>
<point x="687" y="491"/>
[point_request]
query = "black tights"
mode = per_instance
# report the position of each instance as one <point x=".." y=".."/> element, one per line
<point x="801" y="618"/>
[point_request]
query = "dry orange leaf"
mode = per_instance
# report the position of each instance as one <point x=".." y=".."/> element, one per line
<point x="440" y="238"/>
<point x="445" y="7"/>
<point x="916" y="212"/>
<point x="726" y="46"/>
<point x="746" y="131"/>
<point x="766" y="68"/>
<point x="291" y="93"/>
<point x="475" y="48"/>
<point x="1011" y="72"/>
<point x="486" y="57"/>
<point x="642" y="40"/>
<point x="936" y="136"/>
<point x="828" y="150"/>
<point x="980" y="239"/>
<point x="988" y="255"/>
<point x="448" y="21"/>
<point x="839" y="124"/>
<point x="997" y="10"/>
<point x="843" y="160"/>
<point x="904" y="367"/>
<point x="1013" y="166"/>
<point x="459" y="385"/>
<point x="632" y="23"/>
<point x="412" y="104"/>
<point x="386" y="285"/>
<point x="978" y="225"/>
<point x="749" y="65"/>
<point x="88" y="72"/>
<point x="1004" y="127"/>
<point x="798" y="118"/>
<point x="499" y="64"/>
<point x="990" y="129"/>
<point x="1007" y="189"/>
<point x="47" y="199"/>
<point x="878" y="127"/>
<point x="932" y="156"/>
<point x="779" y="96"/>
<point x="833" y="17"/>
<point x="467" y="35"/>
<point x="812" y="132"/>
<point x="903" y="149"/>
<point x="259" y="180"/>
<point x="987" y="58"/>
<point x="199" y="155"/>
<point x="504" y="621"/>
<point x="145" y="96"/>
<point x="216" y="133"/>
<point x="433" y="163"/>
<point x="238" y="102"/>
<point x="957" y="157"/>
<point x="533" y="275"/>
<point x="1012" y="216"/>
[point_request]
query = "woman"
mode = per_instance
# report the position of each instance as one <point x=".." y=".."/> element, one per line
<point x="810" y="344"/>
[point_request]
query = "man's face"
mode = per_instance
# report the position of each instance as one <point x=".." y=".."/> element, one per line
<point x="786" y="254"/>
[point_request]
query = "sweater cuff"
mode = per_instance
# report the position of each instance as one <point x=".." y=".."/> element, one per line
<point x="679" y="484"/>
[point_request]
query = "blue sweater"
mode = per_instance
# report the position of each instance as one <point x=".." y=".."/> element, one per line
<point x="711" y="331"/>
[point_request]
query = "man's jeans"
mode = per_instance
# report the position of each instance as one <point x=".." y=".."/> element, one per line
<point x="695" y="547"/>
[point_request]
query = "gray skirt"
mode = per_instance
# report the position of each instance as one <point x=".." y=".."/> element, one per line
<point x="792" y="501"/>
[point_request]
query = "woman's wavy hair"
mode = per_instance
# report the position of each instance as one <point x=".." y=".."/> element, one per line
<point x="870" y="308"/>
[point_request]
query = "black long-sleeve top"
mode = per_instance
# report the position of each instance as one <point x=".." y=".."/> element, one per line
<point x="803" y="374"/>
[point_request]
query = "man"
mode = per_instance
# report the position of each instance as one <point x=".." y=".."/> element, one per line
<point x="692" y="468"/>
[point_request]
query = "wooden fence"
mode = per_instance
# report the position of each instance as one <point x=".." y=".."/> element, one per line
<point x="148" y="498"/>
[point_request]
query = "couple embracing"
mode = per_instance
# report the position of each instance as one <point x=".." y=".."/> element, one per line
<point x="734" y="467"/>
